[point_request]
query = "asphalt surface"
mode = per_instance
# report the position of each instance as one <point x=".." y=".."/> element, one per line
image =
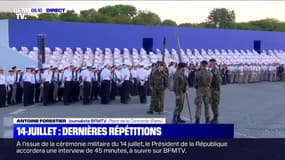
<point x="256" y="110"/>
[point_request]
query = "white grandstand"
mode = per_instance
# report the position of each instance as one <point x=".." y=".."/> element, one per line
<point x="99" y="57"/>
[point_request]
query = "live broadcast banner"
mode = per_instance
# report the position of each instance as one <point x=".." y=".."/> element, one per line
<point x="115" y="128"/>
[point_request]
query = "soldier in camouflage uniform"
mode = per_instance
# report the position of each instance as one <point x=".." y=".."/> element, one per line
<point x="215" y="90"/>
<point x="180" y="88"/>
<point x="166" y="75"/>
<point x="158" y="84"/>
<point x="203" y="80"/>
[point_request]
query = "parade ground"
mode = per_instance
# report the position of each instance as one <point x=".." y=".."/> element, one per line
<point x="257" y="110"/>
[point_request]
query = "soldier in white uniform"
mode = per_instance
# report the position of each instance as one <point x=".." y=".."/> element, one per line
<point x="55" y="84"/>
<point x="60" y="84"/>
<point x="231" y="73"/>
<point x="275" y="72"/>
<point x="20" y="85"/>
<point x="3" y="85"/>
<point x="263" y="72"/>
<point x="133" y="81"/>
<point x="38" y="79"/>
<point x="67" y="78"/>
<point x="27" y="86"/>
<point x="47" y="84"/>
<point x="258" y="72"/>
<point x="10" y="82"/>
<point x="246" y="73"/>
<point x="272" y="73"/>
<point x="95" y="85"/>
<point x="142" y="77"/>
<point x="105" y="79"/>
<point x="125" y="76"/>
<point x="86" y="78"/>
<point x="241" y="73"/>
<point x="252" y="73"/>
<point x="33" y="84"/>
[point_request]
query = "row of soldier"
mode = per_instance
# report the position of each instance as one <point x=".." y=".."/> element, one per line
<point x="69" y="84"/>
<point x="243" y="73"/>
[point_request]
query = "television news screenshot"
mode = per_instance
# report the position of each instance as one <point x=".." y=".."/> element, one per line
<point x="142" y="80"/>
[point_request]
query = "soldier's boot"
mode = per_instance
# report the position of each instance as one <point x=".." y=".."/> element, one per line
<point x="207" y="120"/>
<point x="197" y="121"/>
<point x="179" y="120"/>
<point x="214" y="120"/>
<point x="174" y="120"/>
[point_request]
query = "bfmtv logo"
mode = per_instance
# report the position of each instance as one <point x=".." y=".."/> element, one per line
<point x="21" y="13"/>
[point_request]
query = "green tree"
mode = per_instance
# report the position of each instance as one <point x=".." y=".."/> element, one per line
<point x="185" y="25"/>
<point x="119" y="10"/>
<point x="222" y="18"/>
<point x="268" y="24"/>
<point x="69" y="15"/>
<point x="281" y="27"/>
<point x="245" y="26"/>
<point x="7" y="15"/>
<point x="121" y="20"/>
<point x="48" y="16"/>
<point x="168" y="22"/>
<point x="101" y="18"/>
<point x="88" y="15"/>
<point x="147" y="18"/>
<point x="31" y="17"/>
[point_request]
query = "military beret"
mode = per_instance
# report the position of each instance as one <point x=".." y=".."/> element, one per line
<point x="181" y="65"/>
<point x="213" y="60"/>
<point x="204" y="62"/>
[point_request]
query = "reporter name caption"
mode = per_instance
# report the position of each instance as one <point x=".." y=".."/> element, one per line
<point x="114" y="128"/>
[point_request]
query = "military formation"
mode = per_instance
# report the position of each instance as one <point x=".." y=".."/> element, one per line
<point x="70" y="84"/>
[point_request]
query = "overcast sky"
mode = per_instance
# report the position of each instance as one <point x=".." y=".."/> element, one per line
<point x="179" y="11"/>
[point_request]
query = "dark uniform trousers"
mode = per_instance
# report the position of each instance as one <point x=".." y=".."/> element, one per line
<point x="77" y="91"/>
<point x="66" y="94"/>
<point x="32" y="93"/>
<point x="46" y="93"/>
<point x="136" y="86"/>
<point x="148" y="90"/>
<point x="86" y="92"/>
<point x="2" y="95"/>
<point x="125" y="92"/>
<point x="19" y="93"/>
<point x="10" y="95"/>
<point x="27" y="93"/>
<point x="50" y="92"/>
<point x="142" y="93"/>
<point x="95" y="90"/>
<point x="37" y="92"/>
<point x="132" y="91"/>
<point x="114" y="90"/>
<point x="105" y="91"/>
<point x="60" y="91"/>
<point x="133" y="85"/>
